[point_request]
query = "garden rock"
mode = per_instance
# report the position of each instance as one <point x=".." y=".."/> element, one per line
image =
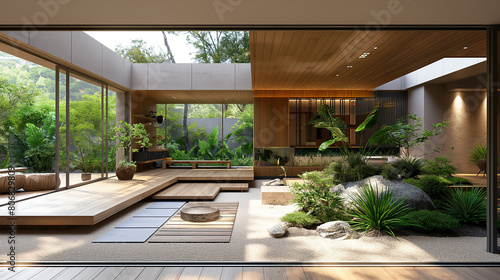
<point x="277" y="230"/>
<point x="336" y="230"/>
<point x="275" y="182"/>
<point x="415" y="197"/>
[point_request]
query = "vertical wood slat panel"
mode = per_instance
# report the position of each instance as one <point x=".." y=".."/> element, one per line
<point x="271" y="122"/>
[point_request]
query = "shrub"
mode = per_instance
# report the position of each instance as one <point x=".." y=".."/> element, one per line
<point x="440" y="166"/>
<point x="378" y="211"/>
<point x="478" y="152"/>
<point x="432" y="221"/>
<point x="314" y="196"/>
<point x="467" y="206"/>
<point x="413" y="181"/>
<point x="389" y="172"/>
<point x="459" y="181"/>
<point x="300" y="219"/>
<point x="352" y="167"/>
<point x="409" y="166"/>
<point x="436" y="187"/>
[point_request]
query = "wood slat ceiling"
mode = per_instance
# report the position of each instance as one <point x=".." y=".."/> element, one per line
<point x="313" y="59"/>
<point x="199" y="96"/>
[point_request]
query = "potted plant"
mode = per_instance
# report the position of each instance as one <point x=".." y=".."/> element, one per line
<point x="478" y="157"/>
<point x="126" y="135"/>
<point x="82" y="159"/>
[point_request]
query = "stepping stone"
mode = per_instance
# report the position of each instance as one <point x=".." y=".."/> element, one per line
<point x="143" y="222"/>
<point x="156" y="213"/>
<point x="130" y="235"/>
<point x="167" y="205"/>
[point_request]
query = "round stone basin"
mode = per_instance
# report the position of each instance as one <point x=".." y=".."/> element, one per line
<point x="200" y="214"/>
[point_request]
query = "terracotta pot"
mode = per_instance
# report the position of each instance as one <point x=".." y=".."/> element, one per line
<point x="481" y="164"/>
<point x="125" y="172"/>
<point x="86" y="176"/>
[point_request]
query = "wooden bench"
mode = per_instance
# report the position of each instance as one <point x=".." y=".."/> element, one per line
<point x="194" y="163"/>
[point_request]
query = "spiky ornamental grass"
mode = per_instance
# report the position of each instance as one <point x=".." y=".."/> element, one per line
<point x="467" y="206"/>
<point x="382" y="211"/>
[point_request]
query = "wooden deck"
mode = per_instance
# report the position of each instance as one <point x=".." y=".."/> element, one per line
<point x="243" y="272"/>
<point x="179" y="231"/>
<point x="92" y="203"/>
<point x="198" y="190"/>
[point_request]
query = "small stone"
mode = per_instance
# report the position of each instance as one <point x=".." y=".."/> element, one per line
<point x="277" y="230"/>
<point x="338" y="230"/>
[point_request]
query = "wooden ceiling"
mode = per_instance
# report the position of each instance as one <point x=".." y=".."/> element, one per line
<point x="199" y="96"/>
<point x="323" y="59"/>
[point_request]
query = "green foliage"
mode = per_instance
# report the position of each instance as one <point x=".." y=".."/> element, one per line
<point x="35" y="147"/>
<point x="440" y="166"/>
<point x="467" y="206"/>
<point x="352" y="167"/>
<point x="409" y="166"/>
<point x="85" y="157"/>
<point x="325" y="118"/>
<point x="478" y="152"/>
<point x="372" y="210"/>
<point x="300" y="219"/>
<point x="432" y="221"/>
<point x="315" y="198"/>
<point x="242" y="161"/>
<point x="389" y="172"/>
<point x="220" y="46"/>
<point x="139" y="52"/>
<point x="209" y="148"/>
<point x="436" y="187"/>
<point x="126" y="134"/>
<point x="459" y="181"/>
<point x="406" y="133"/>
<point x="413" y="181"/>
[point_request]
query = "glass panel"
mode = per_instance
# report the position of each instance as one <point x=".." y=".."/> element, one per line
<point x="62" y="129"/>
<point x="27" y="110"/>
<point x="111" y="145"/>
<point x="238" y="133"/>
<point x="86" y="131"/>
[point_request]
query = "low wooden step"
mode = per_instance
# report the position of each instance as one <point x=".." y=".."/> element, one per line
<point x="189" y="191"/>
<point x="234" y="186"/>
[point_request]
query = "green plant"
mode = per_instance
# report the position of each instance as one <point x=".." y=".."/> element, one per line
<point x="284" y="171"/>
<point x="413" y="181"/>
<point x="478" y="152"/>
<point x="389" y="172"/>
<point x="381" y="211"/>
<point x="436" y="187"/>
<point x="126" y="134"/>
<point x="459" y="181"/>
<point x="432" y="221"/>
<point x="467" y="206"/>
<point x="440" y="166"/>
<point x="406" y="133"/>
<point x="352" y="167"/>
<point x="82" y="159"/>
<point x="314" y="197"/>
<point x="300" y="219"/>
<point x="409" y="166"/>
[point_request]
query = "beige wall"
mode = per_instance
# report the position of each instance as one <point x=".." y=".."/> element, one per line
<point x="466" y="113"/>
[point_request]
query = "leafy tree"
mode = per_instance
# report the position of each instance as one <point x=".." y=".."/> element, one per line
<point x="406" y="133"/>
<point x="139" y="52"/>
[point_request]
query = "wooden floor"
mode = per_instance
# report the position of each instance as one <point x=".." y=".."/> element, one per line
<point x="179" y="231"/>
<point x="252" y="273"/>
<point x="206" y="191"/>
<point x="92" y="203"/>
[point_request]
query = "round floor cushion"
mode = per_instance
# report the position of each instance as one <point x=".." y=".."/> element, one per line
<point x="20" y="180"/>
<point x="40" y="182"/>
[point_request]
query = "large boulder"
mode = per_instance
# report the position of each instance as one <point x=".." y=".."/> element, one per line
<point x="415" y="197"/>
<point x="336" y="230"/>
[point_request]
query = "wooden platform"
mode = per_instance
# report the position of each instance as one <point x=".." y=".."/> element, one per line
<point x="176" y="230"/>
<point x="198" y="190"/>
<point x="92" y="203"/>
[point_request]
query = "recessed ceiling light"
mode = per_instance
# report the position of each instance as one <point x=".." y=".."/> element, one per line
<point x="349" y="66"/>
<point x="337" y="75"/>
<point x="174" y="97"/>
<point x="365" y="54"/>
<point x="465" y="47"/>
<point x="375" y="48"/>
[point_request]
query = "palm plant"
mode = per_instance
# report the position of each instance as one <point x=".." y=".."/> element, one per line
<point x="467" y="206"/>
<point x="381" y="211"/>
<point x="478" y="152"/>
<point x="409" y="166"/>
